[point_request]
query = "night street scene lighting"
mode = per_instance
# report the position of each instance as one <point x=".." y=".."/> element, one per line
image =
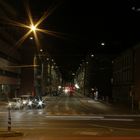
<point x="33" y="28"/>
<point x="69" y="70"/>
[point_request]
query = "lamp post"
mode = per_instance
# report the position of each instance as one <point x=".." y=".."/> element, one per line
<point x="85" y="76"/>
<point x="38" y="75"/>
<point x="38" y="67"/>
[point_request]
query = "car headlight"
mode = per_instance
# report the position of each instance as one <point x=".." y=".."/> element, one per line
<point x="40" y="103"/>
<point x="30" y="103"/>
<point x="24" y="102"/>
<point x="9" y="104"/>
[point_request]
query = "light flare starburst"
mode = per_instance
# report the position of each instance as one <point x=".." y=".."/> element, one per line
<point x="33" y="28"/>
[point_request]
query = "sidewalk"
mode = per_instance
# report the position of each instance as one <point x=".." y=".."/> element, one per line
<point x="117" y="107"/>
<point x="121" y="107"/>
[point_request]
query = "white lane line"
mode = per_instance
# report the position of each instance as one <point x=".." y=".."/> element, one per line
<point x="87" y="133"/>
<point x="88" y="118"/>
<point x="3" y="112"/>
<point x="122" y="115"/>
<point x="91" y="101"/>
<point x="75" y="117"/>
<point x="114" y="119"/>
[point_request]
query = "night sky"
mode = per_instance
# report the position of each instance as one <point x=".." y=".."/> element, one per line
<point x="84" y="24"/>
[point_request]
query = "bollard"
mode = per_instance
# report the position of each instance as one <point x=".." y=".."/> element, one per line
<point x="9" y="120"/>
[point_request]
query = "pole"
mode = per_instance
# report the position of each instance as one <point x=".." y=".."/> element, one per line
<point x="132" y="103"/>
<point x="9" y="119"/>
<point x="85" y="75"/>
<point x="34" y="63"/>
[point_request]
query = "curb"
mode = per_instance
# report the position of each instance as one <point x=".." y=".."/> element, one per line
<point x="10" y="134"/>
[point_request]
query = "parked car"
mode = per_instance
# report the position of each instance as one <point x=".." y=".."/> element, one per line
<point x="39" y="103"/>
<point x="30" y="103"/>
<point x="25" y="99"/>
<point x="15" y="103"/>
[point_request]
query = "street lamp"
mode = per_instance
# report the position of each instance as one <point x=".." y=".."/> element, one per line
<point x="41" y="50"/>
<point x="92" y="55"/>
<point x="33" y="28"/>
<point x="31" y="38"/>
<point x="85" y="76"/>
<point x="102" y="44"/>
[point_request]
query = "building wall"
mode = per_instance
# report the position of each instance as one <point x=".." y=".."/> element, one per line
<point x="27" y="81"/>
<point x="9" y="55"/>
<point x="137" y="73"/>
<point x="9" y="73"/>
<point x="123" y="77"/>
<point x="99" y="75"/>
<point x="95" y="72"/>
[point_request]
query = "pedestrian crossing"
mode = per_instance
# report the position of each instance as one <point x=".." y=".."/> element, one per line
<point x="44" y="112"/>
<point x="32" y="119"/>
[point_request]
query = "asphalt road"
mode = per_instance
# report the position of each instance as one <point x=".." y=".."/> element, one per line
<point x="74" y="117"/>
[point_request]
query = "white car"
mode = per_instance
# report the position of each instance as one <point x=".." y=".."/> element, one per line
<point x="15" y="103"/>
<point x="26" y="99"/>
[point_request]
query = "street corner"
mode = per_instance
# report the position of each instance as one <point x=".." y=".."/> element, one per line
<point x="10" y="134"/>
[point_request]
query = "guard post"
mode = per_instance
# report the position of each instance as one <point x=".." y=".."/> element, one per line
<point x="9" y="119"/>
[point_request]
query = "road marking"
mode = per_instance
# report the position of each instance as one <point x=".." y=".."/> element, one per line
<point x="88" y="118"/>
<point x="87" y="133"/>
<point x="92" y="101"/>
<point x="75" y="117"/>
<point x="114" y="119"/>
<point x="3" y="112"/>
<point x="122" y="115"/>
<point x="114" y="128"/>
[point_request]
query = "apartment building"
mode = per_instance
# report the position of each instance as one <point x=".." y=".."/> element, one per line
<point x="126" y="78"/>
<point x="9" y="56"/>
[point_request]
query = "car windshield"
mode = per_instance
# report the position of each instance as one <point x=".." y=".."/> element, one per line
<point x="25" y="96"/>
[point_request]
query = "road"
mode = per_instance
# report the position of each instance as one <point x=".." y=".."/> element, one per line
<point x="74" y="117"/>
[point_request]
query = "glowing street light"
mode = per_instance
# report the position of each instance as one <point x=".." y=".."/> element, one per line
<point x="135" y="9"/>
<point x="31" y="38"/>
<point x="92" y="55"/>
<point x="41" y="50"/>
<point x="33" y="28"/>
<point x="73" y="74"/>
<point x="102" y="44"/>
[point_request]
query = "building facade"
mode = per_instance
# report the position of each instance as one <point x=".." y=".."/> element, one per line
<point x="9" y="55"/>
<point x="47" y="77"/>
<point x="95" y="72"/>
<point x="126" y="78"/>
